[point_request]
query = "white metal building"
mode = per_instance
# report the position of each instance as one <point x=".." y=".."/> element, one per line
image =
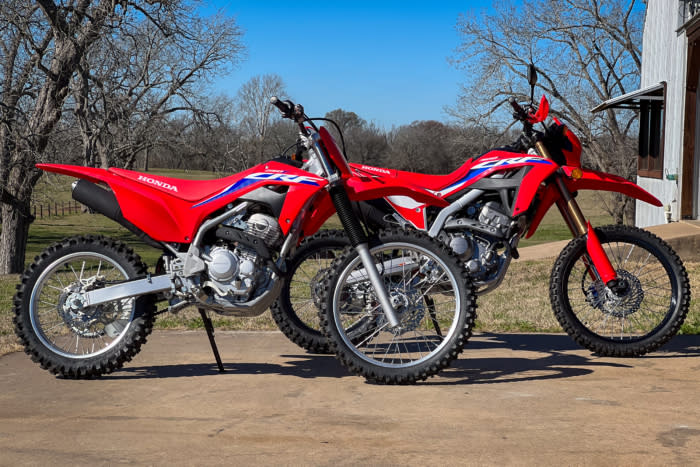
<point x="668" y="100"/>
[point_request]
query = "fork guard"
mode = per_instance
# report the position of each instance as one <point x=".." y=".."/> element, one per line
<point x="600" y="259"/>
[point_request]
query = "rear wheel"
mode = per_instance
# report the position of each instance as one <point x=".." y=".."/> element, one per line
<point x="429" y="291"/>
<point x="296" y="309"/>
<point x="63" y="334"/>
<point x="639" y="315"/>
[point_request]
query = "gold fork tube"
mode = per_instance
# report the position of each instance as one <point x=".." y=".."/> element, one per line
<point x="570" y="210"/>
<point x="568" y="206"/>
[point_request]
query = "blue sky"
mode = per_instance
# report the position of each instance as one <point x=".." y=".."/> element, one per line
<point x="387" y="61"/>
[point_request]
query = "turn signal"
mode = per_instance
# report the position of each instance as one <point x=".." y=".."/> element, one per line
<point x="576" y="173"/>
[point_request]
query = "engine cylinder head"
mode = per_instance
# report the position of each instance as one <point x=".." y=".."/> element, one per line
<point x="265" y="227"/>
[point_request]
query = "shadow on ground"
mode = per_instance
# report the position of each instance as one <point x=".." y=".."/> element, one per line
<point x="300" y="366"/>
<point x="557" y="362"/>
<point x="556" y="356"/>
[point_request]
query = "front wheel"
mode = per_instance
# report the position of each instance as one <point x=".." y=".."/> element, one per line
<point x="430" y="293"/>
<point x="65" y="335"/>
<point x="644" y="311"/>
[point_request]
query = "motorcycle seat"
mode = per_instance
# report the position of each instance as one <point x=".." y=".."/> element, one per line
<point x="434" y="182"/>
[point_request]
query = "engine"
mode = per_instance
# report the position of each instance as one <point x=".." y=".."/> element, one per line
<point x="236" y="273"/>
<point x="477" y="238"/>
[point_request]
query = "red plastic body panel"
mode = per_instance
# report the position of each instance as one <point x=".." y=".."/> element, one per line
<point x="427" y="181"/>
<point x="469" y="173"/>
<point x="542" y="112"/>
<point x="171" y="210"/>
<point x="572" y="153"/>
<point x="334" y="153"/>
<point x="361" y="189"/>
<point x="594" y="180"/>
<point x="590" y="180"/>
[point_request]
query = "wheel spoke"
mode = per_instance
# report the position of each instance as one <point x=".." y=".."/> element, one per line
<point x="599" y="317"/>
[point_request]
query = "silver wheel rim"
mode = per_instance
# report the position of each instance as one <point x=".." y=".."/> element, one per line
<point x="633" y="316"/>
<point x="422" y="333"/>
<point x="78" y="333"/>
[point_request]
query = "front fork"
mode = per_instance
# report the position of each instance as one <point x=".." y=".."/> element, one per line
<point x="602" y="268"/>
<point x="358" y="239"/>
<point x="579" y="227"/>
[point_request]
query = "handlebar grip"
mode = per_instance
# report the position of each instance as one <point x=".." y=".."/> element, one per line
<point x="284" y="106"/>
<point x="520" y="113"/>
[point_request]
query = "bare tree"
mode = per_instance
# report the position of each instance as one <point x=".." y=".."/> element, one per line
<point x="143" y="72"/>
<point x="365" y="142"/>
<point x="43" y="46"/>
<point x="427" y="146"/>
<point x="255" y="112"/>
<point x="586" y="51"/>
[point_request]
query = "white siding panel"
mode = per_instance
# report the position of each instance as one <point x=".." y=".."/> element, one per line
<point x="664" y="59"/>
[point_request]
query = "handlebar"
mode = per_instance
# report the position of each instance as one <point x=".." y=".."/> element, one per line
<point x="291" y="111"/>
<point x="284" y="106"/>
<point x="518" y="112"/>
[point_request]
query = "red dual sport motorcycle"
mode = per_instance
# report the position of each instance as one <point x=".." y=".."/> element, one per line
<point x="85" y="305"/>
<point x="616" y="290"/>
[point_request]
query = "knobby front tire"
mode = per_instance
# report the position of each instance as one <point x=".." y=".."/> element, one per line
<point x="66" y="338"/>
<point x="628" y="324"/>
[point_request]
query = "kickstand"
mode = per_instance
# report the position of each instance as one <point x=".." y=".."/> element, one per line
<point x="433" y="317"/>
<point x="210" y="332"/>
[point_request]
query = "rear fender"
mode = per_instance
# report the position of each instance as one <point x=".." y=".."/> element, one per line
<point x="408" y="200"/>
<point x="91" y="174"/>
<point x="154" y="208"/>
<point x="367" y="188"/>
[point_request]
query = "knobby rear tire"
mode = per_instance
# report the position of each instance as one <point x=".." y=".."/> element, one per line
<point x="295" y="313"/>
<point x="41" y="343"/>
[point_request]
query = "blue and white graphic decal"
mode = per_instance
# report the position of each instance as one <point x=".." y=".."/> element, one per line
<point x="482" y="167"/>
<point x="258" y="176"/>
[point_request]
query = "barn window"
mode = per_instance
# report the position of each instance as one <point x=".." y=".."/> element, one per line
<point x="651" y="136"/>
<point x="650" y="102"/>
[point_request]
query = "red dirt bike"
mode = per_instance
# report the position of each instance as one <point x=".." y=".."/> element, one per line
<point x="616" y="290"/>
<point x="85" y="305"/>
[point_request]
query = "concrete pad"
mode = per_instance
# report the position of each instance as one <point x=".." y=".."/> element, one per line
<point x="683" y="236"/>
<point x="510" y="399"/>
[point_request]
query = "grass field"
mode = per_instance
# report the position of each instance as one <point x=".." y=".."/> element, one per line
<point x="498" y="310"/>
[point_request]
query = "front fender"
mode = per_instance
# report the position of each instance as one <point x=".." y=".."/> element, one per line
<point x="594" y="180"/>
<point x="589" y="180"/>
